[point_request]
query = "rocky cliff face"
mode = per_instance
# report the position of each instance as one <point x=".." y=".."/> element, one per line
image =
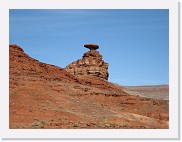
<point x="90" y="65"/>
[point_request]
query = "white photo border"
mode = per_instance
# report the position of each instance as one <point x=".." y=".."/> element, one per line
<point x="171" y="133"/>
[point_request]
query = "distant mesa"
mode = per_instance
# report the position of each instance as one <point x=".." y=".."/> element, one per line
<point x="91" y="46"/>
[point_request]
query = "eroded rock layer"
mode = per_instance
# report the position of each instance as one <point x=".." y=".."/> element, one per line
<point x="91" y="64"/>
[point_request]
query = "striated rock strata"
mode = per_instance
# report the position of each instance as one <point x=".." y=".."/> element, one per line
<point x="90" y="65"/>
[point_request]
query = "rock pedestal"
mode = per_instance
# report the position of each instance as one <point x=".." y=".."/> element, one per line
<point x="90" y="65"/>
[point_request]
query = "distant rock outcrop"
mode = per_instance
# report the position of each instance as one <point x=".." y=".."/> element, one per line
<point x="90" y="65"/>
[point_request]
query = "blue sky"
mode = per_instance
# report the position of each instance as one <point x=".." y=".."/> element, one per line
<point x="135" y="43"/>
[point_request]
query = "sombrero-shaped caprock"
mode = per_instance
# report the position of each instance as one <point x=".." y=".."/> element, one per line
<point x="91" y="46"/>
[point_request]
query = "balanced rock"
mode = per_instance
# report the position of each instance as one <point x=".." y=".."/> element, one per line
<point x="91" y="46"/>
<point x="90" y="65"/>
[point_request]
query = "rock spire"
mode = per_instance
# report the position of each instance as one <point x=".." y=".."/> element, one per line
<point x="90" y="65"/>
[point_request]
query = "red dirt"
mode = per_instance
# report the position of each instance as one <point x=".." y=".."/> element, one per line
<point x="46" y="96"/>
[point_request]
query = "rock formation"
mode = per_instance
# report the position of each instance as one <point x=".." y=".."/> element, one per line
<point x="90" y="65"/>
<point x="44" y="96"/>
<point x="91" y="46"/>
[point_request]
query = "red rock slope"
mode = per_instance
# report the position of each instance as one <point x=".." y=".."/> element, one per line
<point x="46" y="96"/>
